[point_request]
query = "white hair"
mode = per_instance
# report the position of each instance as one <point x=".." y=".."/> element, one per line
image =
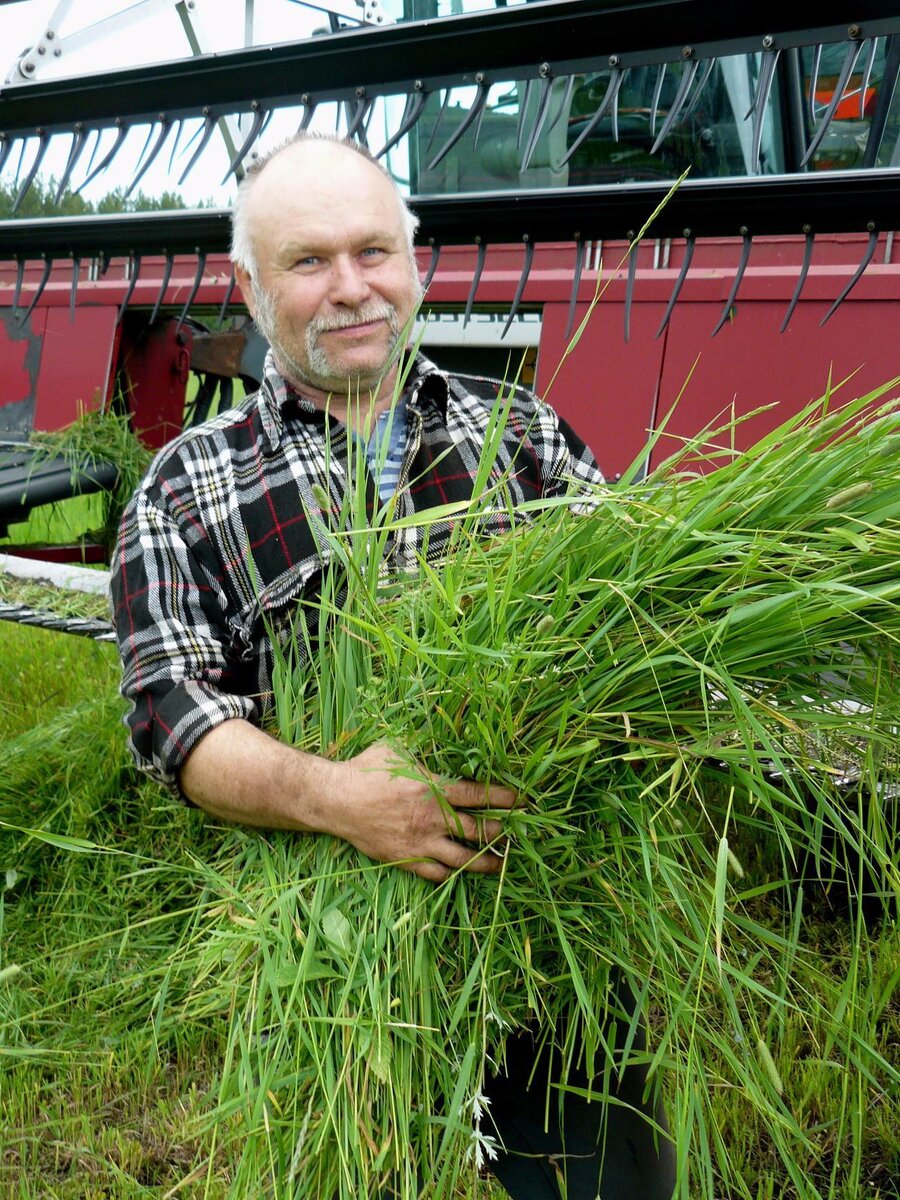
<point x="242" y="251"/>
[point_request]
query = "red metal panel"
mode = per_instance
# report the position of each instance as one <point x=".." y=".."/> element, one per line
<point x="76" y="362"/>
<point x="749" y="364"/>
<point x="20" y="354"/>
<point x="157" y="367"/>
<point x="606" y="388"/>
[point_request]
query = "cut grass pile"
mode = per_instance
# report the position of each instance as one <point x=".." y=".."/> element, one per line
<point x="191" y="1011"/>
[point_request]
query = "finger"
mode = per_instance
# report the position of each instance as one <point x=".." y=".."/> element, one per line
<point x="464" y="858"/>
<point x="426" y="869"/>
<point x="468" y="793"/>
<point x="468" y="828"/>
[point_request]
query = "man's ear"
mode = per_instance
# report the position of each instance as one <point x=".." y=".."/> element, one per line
<point x="244" y="282"/>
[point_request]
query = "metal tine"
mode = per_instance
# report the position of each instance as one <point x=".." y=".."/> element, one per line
<point x="76" y="271"/>
<point x="479" y="122"/>
<point x="580" y="249"/>
<point x="629" y="283"/>
<point x="94" y="149"/>
<point x="739" y="275"/>
<point x="612" y="92"/>
<point x="476" y="279"/>
<point x="22" y="147"/>
<point x="886" y="91"/>
<point x="857" y="275"/>
<point x="229" y="292"/>
<point x="415" y="106"/>
<point x="523" y="109"/>
<point x="846" y="71"/>
<point x="357" y="121"/>
<point x="563" y="105"/>
<point x="679" y="282"/>
<point x="167" y="275"/>
<point x="20" y="278"/>
<point x="520" y="288"/>
<point x="657" y="92"/>
<point x="79" y="139"/>
<point x="801" y="278"/>
<point x="195" y="288"/>
<point x="178" y="131"/>
<point x="444" y="104"/>
<point x="867" y="75"/>
<point x="42" y="283"/>
<point x="132" y="284"/>
<point x="543" y="109"/>
<point x="121" y="135"/>
<point x="814" y="80"/>
<point x="698" y="90"/>
<point x="761" y="103"/>
<point x="460" y="130"/>
<point x="165" y="130"/>
<point x="687" y="78"/>
<point x="432" y="266"/>
<point x="259" y="120"/>
<point x="309" y="108"/>
<point x="205" y="132"/>
<point x="6" y="148"/>
<point x="33" y="170"/>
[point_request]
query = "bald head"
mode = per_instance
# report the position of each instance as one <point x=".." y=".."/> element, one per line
<point x="298" y="163"/>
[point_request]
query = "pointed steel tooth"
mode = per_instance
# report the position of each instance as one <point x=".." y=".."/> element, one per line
<point x="478" y="123"/>
<point x="564" y="103"/>
<point x="165" y="130"/>
<point x="94" y="148"/>
<point x="132" y="284"/>
<point x="684" y="87"/>
<point x="195" y="287"/>
<point x="543" y="109"/>
<point x="657" y="92"/>
<point x="523" y="109"/>
<point x="857" y="275"/>
<point x="42" y="283"/>
<point x="167" y="275"/>
<point x="580" y="248"/>
<point x="444" y="106"/>
<point x="415" y="106"/>
<point x="360" y="112"/>
<point x="739" y="275"/>
<point x="76" y="271"/>
<point x="20" y="278"/>
<point x="23" y="143"/>
<point x="698" y="90"/>
<point x="204" y="133"/>
<point x="43" y="143"/>
<point x="6" y="147"/>
<point x="629" y="284"/>
<point x="476" y="279"/>
<point x="229" y="292"/>
<point x="179" y="127"/>
<point x="760" y="104"/>
<point x="801" y="278"/>
<point x="259" y="119"/>
<point x="432" y="266"/>
<point x="679" y="282"/>
<point x="520" y="288"/>
<point x="309" y="108"/>
<point x="867" y="75"/>
<point x="121" y="134"/>
<point x="843" y="79"/>
<point x="79" y="138"/>
<point x="460" y="130"/>
<point x="612" y="92"/>
<point x="814" y="81"/>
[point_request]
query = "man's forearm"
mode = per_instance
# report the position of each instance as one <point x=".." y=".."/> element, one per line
<point x="240" y="774"/>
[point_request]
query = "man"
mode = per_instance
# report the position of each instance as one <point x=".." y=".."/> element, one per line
<point x="216" y="544"/>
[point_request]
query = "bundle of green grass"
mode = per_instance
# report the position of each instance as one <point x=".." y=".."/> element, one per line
<point x="685" y="667"/>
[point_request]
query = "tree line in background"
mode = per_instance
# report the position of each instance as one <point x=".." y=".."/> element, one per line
<point x="40" y="201"/>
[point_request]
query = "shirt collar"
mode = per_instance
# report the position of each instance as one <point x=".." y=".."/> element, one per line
<point x="426" y="385"/>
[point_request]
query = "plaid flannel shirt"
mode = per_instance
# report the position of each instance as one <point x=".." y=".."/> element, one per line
<point x="219" y="539"/>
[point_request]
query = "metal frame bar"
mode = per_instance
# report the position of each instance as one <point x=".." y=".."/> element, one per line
<point x="509" y="42"/>
<point x="839" y="202"/>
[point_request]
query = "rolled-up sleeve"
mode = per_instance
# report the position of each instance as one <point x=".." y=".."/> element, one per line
<point x="168" y="608"/>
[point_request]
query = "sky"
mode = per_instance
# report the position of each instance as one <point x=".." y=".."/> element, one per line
<point x="155" y="38"/>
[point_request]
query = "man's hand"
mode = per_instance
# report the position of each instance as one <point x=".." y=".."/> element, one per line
<point x="394" y="811"/>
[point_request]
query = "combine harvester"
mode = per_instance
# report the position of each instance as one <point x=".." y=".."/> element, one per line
<point x="536" y="140"/>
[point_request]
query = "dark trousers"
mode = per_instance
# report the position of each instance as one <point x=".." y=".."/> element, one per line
<point x="573" y="1148"/>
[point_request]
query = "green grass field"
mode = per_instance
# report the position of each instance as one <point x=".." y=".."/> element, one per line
<point x="109" y="1079"/>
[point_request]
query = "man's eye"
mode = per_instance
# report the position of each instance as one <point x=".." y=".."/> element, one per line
<point x="370" y="251"/>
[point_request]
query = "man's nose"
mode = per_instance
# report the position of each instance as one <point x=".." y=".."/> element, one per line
<point x="349" y="286"/>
